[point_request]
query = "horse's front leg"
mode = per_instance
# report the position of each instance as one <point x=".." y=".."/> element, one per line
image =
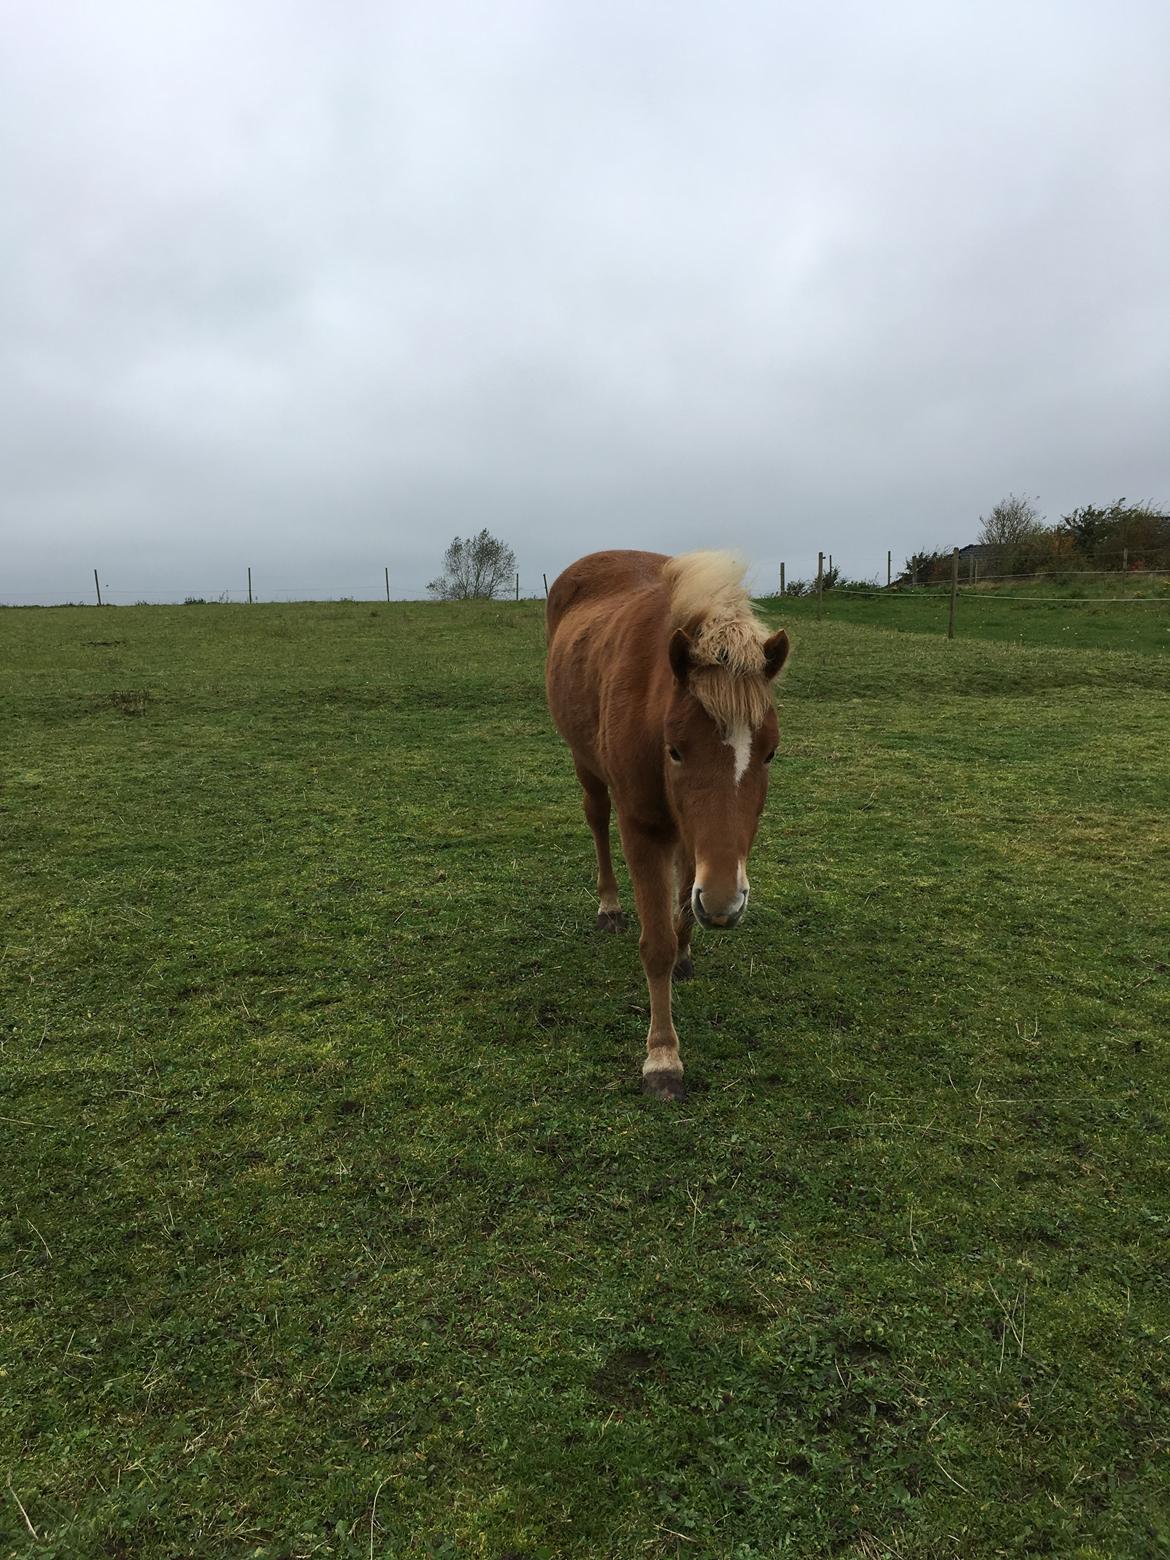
<point x="651" y="865"/>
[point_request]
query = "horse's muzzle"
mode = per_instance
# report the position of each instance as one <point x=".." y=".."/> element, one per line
<point x="715" y="918"/>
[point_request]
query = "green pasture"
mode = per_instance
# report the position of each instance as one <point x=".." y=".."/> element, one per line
<point x="332" y="1220"/>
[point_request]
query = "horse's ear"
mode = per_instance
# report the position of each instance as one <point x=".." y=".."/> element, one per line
<point x="680" y="656"/>
<point x="775" y="654"/>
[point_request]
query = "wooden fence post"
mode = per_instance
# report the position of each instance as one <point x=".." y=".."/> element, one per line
<point x="387" y="583"/>
<point x="97" y="587"/>
<point x="249" y="584"/>
<point x="517" y="587"/>
<point x="544" y="577"/>
<point x="781" y="579"/>
<point x="889" y="568"/>
<point x="1125" y="560"/>
<point x="820" y="582"/>
<point x="954" y="591"/>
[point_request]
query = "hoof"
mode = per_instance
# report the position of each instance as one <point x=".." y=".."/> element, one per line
<point x="611" y="921"/>
<point x="664" y="1086"/>
<point x="684" y="969"/>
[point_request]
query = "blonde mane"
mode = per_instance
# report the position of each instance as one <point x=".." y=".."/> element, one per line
<point x="709" y="600"/>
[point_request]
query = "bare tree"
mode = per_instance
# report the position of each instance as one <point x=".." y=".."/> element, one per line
<point x="1014" y="519"/>
<point x="476" y="566"/>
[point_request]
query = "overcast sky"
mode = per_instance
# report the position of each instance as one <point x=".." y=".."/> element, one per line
<point x="316" y="287"/>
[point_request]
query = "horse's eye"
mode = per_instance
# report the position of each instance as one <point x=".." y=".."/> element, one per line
<point x="768" y="757"/>
<point x="675" y="754"/>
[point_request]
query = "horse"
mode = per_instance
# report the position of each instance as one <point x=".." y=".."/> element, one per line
<point x="659" y="678"/>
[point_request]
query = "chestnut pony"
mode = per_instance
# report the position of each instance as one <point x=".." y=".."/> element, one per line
<point x="660" y="680"/>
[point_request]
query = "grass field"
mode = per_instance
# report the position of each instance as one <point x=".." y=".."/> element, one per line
<point x="333" y="1221"/>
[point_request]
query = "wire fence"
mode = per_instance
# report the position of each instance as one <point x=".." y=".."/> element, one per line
<point x="829" y="587"/>
<point x="824" y="587"/>
<point x="1073" y="575"/>
<point x="102" y="594"/>
<point x="941" y="593"/>
<point x="155" y="596"/>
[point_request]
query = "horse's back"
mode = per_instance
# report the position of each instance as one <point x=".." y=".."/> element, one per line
<point x="598" y="579"/>
<point x="606" y="630"/>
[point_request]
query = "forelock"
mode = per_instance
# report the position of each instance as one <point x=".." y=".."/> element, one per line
<point x="709" y="600"/>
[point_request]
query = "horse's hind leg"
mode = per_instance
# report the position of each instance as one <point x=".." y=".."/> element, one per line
<point x="609" y="912"/>
<point x="684" y="920"/>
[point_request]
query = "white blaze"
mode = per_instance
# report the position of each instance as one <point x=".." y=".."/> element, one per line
<point x="739" y="740"/>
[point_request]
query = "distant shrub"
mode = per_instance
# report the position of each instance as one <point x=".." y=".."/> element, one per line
<point x="194" y="601"/>
<point x="1135" y="535"/>
<point x="832" y="579"/>
<point x="1048" y="550"/>
<point x="927" y="568"/>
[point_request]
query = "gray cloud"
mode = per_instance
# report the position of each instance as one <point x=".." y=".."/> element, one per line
<point x="316" y="288"/>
